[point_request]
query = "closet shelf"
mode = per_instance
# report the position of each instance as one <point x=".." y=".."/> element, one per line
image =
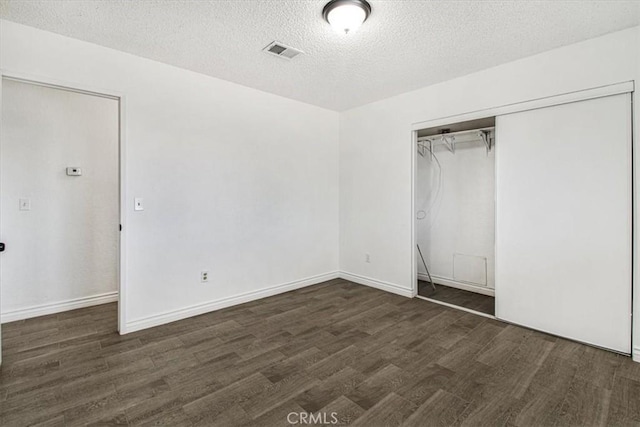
<point x="449" y="140"/>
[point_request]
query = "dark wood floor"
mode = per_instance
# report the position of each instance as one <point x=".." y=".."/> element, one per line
<point x="459" y="297"/>
<point x="371" y="357"/>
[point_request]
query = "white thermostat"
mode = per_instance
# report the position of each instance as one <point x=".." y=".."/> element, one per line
<point x="74" y="171"/>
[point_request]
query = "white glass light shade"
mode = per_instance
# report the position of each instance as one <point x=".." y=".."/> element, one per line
<point x="346" y="18"/>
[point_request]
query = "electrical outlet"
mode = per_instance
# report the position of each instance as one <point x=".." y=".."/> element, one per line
<point x="367" y="258"/>
<point x="204" y="276"/>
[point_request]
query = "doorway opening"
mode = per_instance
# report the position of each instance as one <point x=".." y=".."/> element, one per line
<point x="455" y="214"/>
<point x="60" y="200"/>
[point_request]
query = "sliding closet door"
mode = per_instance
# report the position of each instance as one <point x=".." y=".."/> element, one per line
<point x="563" y="220"/>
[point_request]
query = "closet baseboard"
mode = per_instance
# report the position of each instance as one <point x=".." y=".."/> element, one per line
<point x="378" y="284"/>
<point x="458" y="285"/>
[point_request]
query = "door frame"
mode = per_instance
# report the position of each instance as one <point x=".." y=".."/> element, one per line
<point x="122" y="137"/>
<point x="564" y="98"/>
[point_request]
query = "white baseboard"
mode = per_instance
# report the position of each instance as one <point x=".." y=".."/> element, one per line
<point x="195" y="310"/>
<point x="458" y="285"/>
<point x="636" y="354"/>
<point x="58" y="307"/>
<point x="378" y="284"/>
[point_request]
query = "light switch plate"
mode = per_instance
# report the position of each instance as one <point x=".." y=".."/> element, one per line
<point x="25" y="204"/>
<point x="138" y="204"/>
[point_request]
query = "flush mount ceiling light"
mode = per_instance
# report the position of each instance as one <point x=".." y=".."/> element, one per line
<point x="346" y="16"/>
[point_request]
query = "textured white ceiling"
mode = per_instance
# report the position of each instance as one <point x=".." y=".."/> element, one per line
<point x="403" y="46"/>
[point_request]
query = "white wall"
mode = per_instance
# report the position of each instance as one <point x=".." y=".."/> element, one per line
<point x="234" y="180"/>
<point x="65" y="247"/>
<point x="455" y="196"/>
<point x="376" y="145"/>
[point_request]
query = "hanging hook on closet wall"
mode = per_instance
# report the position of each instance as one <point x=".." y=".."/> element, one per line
<point x="486" y="138"/>
<point x="451" y="145"/>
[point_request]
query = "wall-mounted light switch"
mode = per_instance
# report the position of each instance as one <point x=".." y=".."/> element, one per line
<point x="138" y="204"/>
<point x="25" y="204"/>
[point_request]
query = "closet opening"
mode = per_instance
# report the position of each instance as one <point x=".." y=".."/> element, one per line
<point x="455" y="215"/>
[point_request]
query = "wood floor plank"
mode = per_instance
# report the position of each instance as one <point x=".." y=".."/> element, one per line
<point x="211" y="405"/>
<point x="58" y="378"/>
<point x="276" y="393"/>
<point x="535" y="349"/>
<point x="497" y="410"/>
<point x="173" y="418"/>
<point x="51" y="422"/>
<point x="459" y="355"/>
<point x="102" y="410"/>
<point x="536" y="408"/>
<point x="494" y="353"/>
<point x="393" y="410"/>
<point x="335" y="362"/>
<point x="441" y="409"/>
<point x="554" y="376"/>
<point x="598" y="366"/>
<point x="344" y="410"/>
<point x="280" y="415"/>
<point x="338" y="384"/>
<point x="375" y="388"/>
<point x="296" y="363"/>
<point x="430" y="379"/>
<point x="512" y="378"/>
<point x="625" y="402"/>
<point x="585" y="404"/>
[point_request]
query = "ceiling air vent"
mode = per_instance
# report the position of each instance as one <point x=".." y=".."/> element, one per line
<point x="281" y="50"/>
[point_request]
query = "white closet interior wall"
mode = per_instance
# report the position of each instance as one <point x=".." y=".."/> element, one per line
<point x="455" y="197"/>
